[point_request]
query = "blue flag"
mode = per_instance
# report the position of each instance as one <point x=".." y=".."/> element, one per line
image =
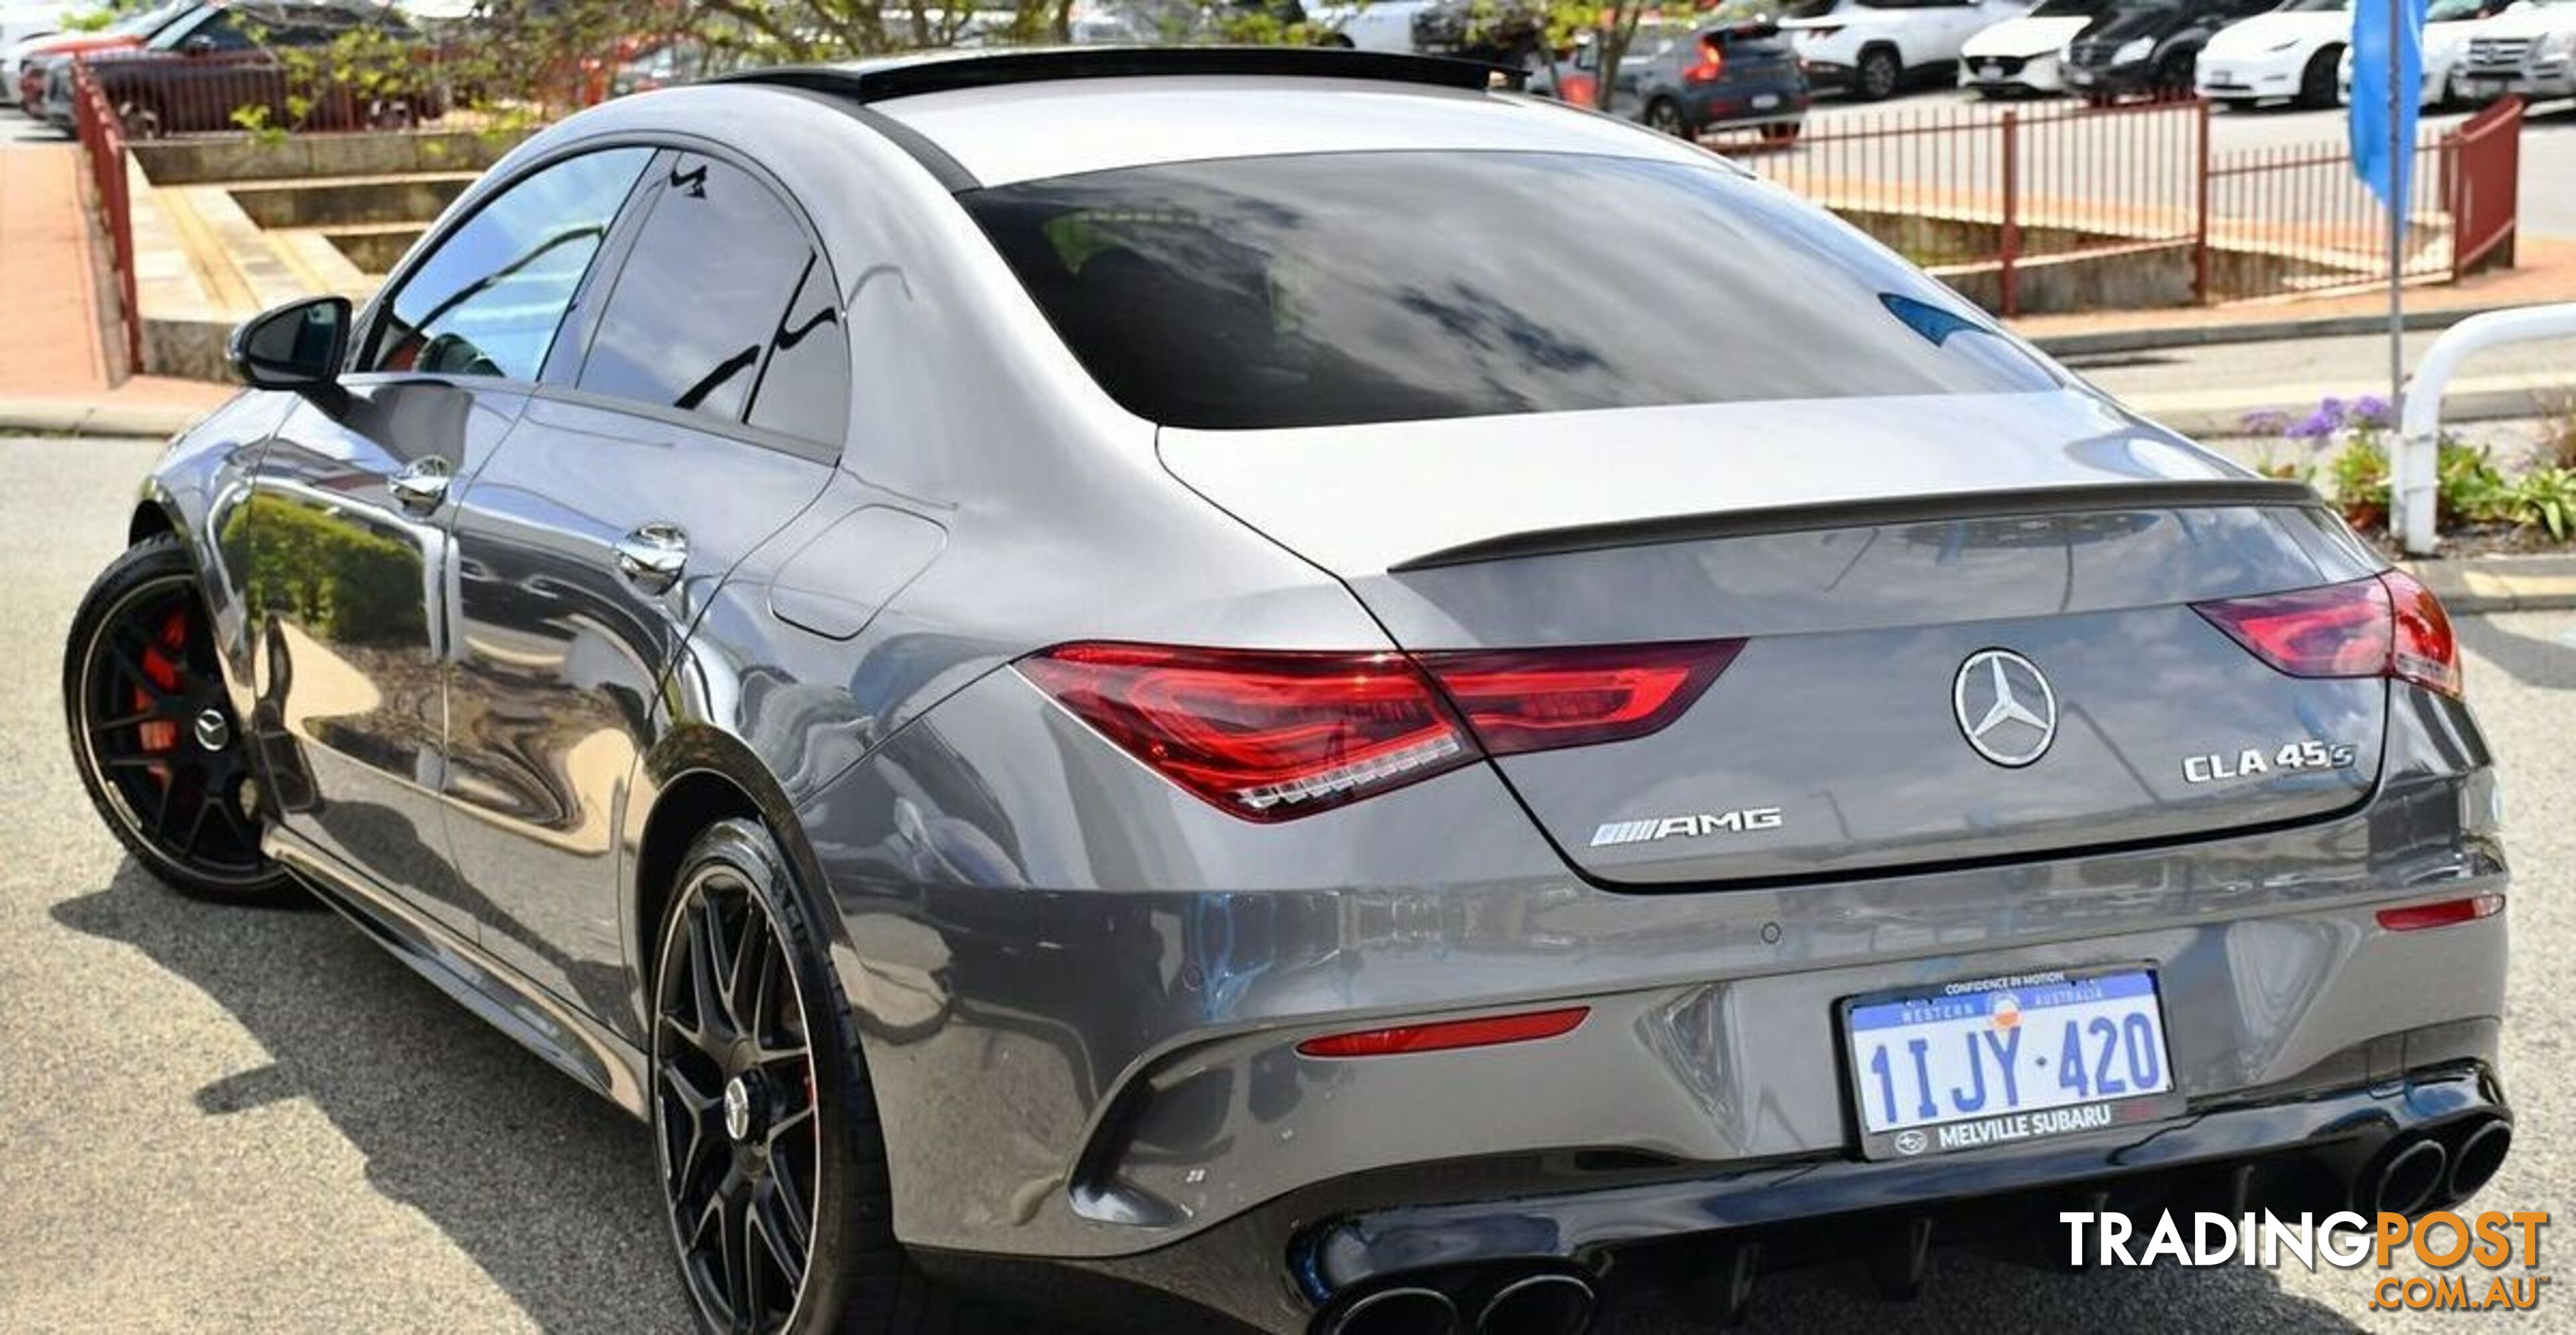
<point x="2376" y="64"/>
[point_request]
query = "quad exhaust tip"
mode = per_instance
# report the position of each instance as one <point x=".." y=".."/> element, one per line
<point x="2413" y="1175"/>
<point x="1403" y="1310"/>
<point x="1543" y="1304"/>
<point x="2481" y="1152"/>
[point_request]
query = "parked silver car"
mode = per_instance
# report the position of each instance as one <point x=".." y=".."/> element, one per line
<point x="1327" y="694"/>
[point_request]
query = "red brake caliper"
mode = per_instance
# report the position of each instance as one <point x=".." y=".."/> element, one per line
<point x="160" y="663"/>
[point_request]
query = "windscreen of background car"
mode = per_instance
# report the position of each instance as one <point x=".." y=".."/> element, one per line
<point x="1327" y="289"/>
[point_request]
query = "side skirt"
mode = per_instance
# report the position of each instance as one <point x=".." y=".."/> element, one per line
<point x="575" y="1043"/>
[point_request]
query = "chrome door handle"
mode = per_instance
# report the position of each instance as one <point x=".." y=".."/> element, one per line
<point x="652" y="556"/>
<point x="422" y="483"/>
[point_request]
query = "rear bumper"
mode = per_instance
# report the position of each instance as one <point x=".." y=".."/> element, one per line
<point x="1651" y="1237"/>
<point x="1077" y="1072"/>
<point x="1783" y="103"/>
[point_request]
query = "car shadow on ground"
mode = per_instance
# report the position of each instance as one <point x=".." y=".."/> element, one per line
<point x="2545" y="662"/>
<point x="546" y="1187"/>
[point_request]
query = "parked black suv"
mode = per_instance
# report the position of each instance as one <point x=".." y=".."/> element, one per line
<point x="2148" y="46"/>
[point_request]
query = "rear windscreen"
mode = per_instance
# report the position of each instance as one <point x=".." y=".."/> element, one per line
<point x="1328" y="289"/>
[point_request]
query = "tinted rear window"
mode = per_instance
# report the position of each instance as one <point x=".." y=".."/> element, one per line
<point x="1371" y="287"/>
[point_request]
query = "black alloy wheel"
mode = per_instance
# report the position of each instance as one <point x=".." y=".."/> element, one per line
<point x="734" y="1083"/>
<point x="1663" y="116"/>
<point x="765" y="1125"/>
<point x="153" y="731"/>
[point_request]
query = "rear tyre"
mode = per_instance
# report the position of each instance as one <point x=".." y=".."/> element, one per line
<point x="153" y="732"/>
<point x="1664" y="116"/>
<point x="1879" y="76"/>
<point x="2317" y="81"/>
<point x="1781" y="132"/>
<point x="765" y="1128"/>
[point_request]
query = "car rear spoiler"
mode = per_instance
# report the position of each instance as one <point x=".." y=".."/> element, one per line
<point x="2168" y="493"/>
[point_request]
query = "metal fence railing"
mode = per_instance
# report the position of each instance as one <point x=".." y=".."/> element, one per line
<point x="2022" y="184"/>
<point x="102" y="140"/>
<point x="252" y="91"/>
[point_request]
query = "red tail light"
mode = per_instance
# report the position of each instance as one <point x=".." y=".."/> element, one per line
<point x="1267" y="736"/>
<point x="1272" y="736"/>
<point x="2386" y="626"/>
<point x="1535" y="700"/>
<point x="1447" y="1034"/>
<point x="1711" y="66"/>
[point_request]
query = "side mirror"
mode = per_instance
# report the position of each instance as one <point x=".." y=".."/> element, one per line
<point x="197" y="45"/>
<point x="295" y="346"/>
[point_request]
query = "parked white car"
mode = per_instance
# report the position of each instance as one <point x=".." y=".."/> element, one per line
<point x="23" y="21"/>
<point x="2529" y="49"/>
<point x="1378" y="25"/>
<point x="2448" y="25"/>
<point x="2287" y="55"/>
<point x="2019" y="54"/>
<point x="1871" y="47"/>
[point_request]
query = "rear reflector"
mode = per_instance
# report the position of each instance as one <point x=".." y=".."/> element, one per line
<point x="2385" y="626"/>
<point x="1447" y="1034"/>
<point x="1271" y="736"/>
<point x="2448" y="912"/>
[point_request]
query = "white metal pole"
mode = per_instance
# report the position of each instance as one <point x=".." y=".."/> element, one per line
<point x="2399" y="462"/>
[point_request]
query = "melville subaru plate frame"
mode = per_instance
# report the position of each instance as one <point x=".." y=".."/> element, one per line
<point x="2020" y="1126"/>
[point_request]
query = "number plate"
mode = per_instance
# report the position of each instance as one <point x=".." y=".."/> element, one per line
<point x="2003" y="1060"/>
<point x="2079" y="76"/>
<point x="1765" y="101"/>
<point x="1993" y="71"/>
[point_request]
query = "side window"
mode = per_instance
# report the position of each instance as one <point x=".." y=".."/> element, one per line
<point x="222" y="33"/>
<point x="805" y="389"/>
<point x="489" y="300"/>
<point x="705" y="295"/>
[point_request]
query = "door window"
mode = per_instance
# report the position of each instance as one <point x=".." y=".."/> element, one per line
<point x="723" y="308"/>
<point x="488" y="301"/>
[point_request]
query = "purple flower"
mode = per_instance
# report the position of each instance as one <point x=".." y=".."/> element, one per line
<point x="2330" y="406"/>
<point x="2317" y="425"/>
<point x="2370" y="410"/>
<point x="2266" y="422"/>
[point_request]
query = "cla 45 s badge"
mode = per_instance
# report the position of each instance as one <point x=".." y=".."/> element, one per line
<point x="2251" y="761"/>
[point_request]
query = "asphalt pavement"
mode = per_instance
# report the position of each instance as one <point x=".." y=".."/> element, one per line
<point x="221" y="1119"/>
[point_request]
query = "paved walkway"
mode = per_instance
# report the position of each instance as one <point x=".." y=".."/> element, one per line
<point x="54" y="370"/>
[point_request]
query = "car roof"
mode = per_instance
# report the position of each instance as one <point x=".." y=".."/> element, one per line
<point x="984" y="119"/>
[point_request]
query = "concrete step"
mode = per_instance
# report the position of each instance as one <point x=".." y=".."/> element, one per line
<point x="374" y="247"/>
<point x="338" y="200"/>
<point x="247" y="158"/>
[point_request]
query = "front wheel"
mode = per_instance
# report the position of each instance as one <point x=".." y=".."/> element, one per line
<point x="153" y="733"/>
<point x="764" y="1121"/>
<point x="1664" y="116"/>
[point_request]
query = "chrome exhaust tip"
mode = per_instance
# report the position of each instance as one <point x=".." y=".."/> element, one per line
<point x="2480" y="1154"/>
<point x="1548" y="1303"/>
<point x="1403" y="1310"/>
<point x="2413" y="1174"/>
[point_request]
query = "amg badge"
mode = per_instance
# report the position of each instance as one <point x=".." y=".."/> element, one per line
<point x="1671" y="827"/>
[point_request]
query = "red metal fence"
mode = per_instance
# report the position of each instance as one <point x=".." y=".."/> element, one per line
<point x="1973" y="188"/>
<point x="102" y="140"/>
<point x="294" y="89"/>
